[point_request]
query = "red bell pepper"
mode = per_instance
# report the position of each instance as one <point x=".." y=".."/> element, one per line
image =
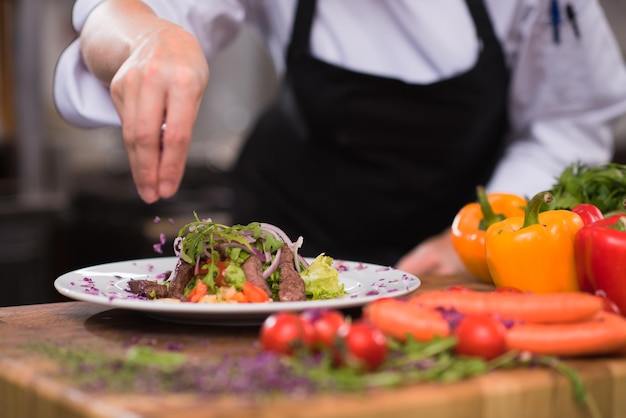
<point x="588" y="212"/>
<point x="600" y="254"/>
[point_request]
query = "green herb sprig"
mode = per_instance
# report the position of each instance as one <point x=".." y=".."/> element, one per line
<point x="603" y="185"/>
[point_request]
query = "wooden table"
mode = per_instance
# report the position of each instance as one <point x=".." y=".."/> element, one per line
<point x="29" y="389"/>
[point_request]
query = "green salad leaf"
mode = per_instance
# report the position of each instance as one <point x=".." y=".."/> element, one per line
<point x="321" y="280"/>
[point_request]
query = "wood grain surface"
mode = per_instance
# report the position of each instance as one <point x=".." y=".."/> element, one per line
<point x="30" y="385"/>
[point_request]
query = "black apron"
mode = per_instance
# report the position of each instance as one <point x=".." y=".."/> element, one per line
<point x="365" y="167"/>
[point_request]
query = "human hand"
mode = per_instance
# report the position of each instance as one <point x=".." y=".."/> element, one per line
<point x="435" y="256"/>
<point x="162" y="81"/>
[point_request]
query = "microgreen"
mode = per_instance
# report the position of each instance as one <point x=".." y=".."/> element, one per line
<point x="146" y="369"/>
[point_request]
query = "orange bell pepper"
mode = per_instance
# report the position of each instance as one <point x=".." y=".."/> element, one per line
<point x="534" y="253"/>
<point x="471" y="222"/>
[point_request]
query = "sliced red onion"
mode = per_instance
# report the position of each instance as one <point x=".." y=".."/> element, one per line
<point x="196" y="268"/>
<point x="272" y="267"/>
<point x="297" y="259"/>
<point x="178" y="246"/>
<point x="280" y="234"/>
<point x="277" y="232"/>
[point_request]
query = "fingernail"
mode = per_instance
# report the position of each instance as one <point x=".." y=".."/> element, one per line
<point x="148" y="194"/>
<point x="166" y="189"/>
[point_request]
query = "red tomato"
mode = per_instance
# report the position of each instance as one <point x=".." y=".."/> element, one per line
<point x="221" y="266"/>
<point x="480" y="336"/>
<point x="326" y="327"/>
<point x="285" y="332"/>
<point x="365" y="345"/>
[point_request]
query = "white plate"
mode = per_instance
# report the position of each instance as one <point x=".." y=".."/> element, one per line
<point x="106" y="284"/>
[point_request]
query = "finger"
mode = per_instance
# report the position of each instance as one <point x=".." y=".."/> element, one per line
<point x="182" y="109"/>
<point x="142" y="115"/>
<point x="176" y="139"/>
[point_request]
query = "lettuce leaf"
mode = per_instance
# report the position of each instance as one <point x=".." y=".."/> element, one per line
<point x="321" y="279"/>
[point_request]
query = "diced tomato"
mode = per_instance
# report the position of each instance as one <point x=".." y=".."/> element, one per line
<point x="221" y="266"/>
<point x="239" y="297"/>
<point x="198" y="292"/>
<point x="254" y="293"/>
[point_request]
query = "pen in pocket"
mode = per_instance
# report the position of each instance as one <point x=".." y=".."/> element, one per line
<point x="571" y="17"/>
<point x="555" y="20"/>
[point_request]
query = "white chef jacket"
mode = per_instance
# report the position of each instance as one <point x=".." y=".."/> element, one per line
<point x="564" y="96"/>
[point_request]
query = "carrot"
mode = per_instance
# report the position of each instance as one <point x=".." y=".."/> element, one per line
<point x="398" y="319"/>
<point x="604" y="334"/>
<point x="528" y="307"/>
<point x="254" y="293"/>
<point x="198" y="291"/>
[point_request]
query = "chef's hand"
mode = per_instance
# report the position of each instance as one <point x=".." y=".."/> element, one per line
<point x="163" y="80"/>
<point x="434" y="256"/>
<point x="157" y="73"/>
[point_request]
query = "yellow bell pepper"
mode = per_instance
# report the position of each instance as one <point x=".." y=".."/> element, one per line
<point x="471" y="222"/>
<point x="534" y="253"/>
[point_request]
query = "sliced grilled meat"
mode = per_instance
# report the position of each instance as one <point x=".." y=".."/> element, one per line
<point x="148" y="288"/>
<point x="183" y="273"/>
<point x="253" y="269"/>
<point x="290" y="284"/>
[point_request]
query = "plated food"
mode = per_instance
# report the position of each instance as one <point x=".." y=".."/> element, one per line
<point x="255" y="263"/>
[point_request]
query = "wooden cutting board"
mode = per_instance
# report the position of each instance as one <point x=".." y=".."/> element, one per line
<point x="30" y="385"/>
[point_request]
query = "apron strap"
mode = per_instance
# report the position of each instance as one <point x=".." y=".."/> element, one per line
<point x="482" y="21"/>
<point x="301" y="31"/>
<point x="305" y="11"/>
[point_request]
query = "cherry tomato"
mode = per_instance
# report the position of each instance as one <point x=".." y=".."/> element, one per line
<point x="365" y="345"/>
<point x="480" y="336"/>
<point x="326" y="326"/>
<point x="286" y="332"/>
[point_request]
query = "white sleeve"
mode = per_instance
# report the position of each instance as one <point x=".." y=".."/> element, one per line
<point x="85" y="102"/>
<point x="565" y="97"/>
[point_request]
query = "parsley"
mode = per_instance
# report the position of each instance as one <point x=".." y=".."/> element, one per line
<point x="603" y="185"/>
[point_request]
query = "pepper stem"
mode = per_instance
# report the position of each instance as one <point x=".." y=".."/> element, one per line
<point x="531" y="215"/>
<point x="620" y="225"/>
<point x="489" y="217"/>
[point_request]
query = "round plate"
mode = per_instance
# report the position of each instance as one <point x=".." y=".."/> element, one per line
<point x="106" y="284"/>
